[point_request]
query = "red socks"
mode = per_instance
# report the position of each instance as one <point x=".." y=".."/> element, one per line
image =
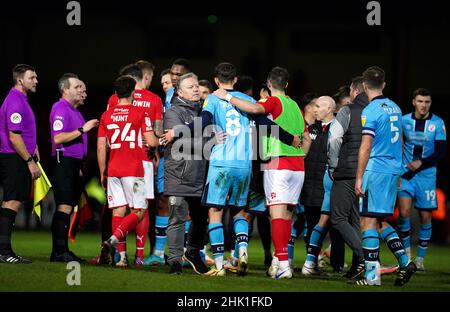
<point x="281" y="232"/>
<point x="141" y="235"/>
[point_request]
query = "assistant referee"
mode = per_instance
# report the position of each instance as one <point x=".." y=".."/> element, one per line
<point x="18" y="152"/>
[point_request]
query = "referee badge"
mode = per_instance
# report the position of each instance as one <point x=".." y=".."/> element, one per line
<point x="57" y="125"/>
<point x="16" y="118"/>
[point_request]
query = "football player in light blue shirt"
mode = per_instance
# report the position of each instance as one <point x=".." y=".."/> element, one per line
<point x="424" y="143"/>
<point x="230" y="166"/>
<point x="229" y="171"/>
<point x="377" y="178"/>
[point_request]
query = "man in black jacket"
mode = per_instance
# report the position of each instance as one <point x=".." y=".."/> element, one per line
<point x="317" y="186"/>
<point x="184" y="175"/>
<point x="344" y="141"/>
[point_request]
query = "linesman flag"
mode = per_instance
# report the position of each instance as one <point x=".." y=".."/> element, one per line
<point x="82" y="214"/>
<point x="41" y="187"/>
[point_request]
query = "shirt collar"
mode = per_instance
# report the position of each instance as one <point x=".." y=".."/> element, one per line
<point x="67" y="104"/>
<point x="414" y="116"/>
<point x="379" y="97"/>
<point x="14" y="90"/>
<point x="324" y="124"/>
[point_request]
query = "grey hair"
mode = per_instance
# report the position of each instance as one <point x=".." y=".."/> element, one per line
<point x="184" y="77"/>
<point x="63" y="82"/>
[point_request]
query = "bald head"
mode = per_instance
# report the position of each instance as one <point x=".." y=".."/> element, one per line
<point x="324" y="108"/>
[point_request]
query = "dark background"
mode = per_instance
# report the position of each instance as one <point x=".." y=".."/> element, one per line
<point x="323" y="44"/>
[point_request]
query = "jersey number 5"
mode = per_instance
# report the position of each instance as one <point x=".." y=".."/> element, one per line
<point x="125" y="135"/>
<point x="394" y="129"/>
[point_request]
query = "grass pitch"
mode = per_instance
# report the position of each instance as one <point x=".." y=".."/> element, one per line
<point x="42" y="275"/>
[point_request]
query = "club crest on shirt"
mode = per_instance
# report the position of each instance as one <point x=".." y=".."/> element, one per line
<point x="431" y="128"/>
<point x="57" y="125"/>
<point x="16" y="118"/>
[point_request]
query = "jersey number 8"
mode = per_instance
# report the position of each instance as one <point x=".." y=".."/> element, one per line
<point x="233" y="131"/>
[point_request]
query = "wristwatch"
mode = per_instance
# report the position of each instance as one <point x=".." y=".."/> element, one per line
<point x="81" y="130"/>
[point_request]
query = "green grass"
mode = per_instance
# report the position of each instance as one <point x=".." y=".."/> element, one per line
<point x="42" y="275"/>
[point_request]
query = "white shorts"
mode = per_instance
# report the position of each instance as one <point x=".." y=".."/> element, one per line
<point x="149" y="179"/>
<point x="283" y="187"/>
<point x="126" y="191"/>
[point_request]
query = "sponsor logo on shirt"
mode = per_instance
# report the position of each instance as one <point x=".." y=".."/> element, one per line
<point x="148" y="123"/>
<point x="16" y="118"/>
<point x="57" y="125"/>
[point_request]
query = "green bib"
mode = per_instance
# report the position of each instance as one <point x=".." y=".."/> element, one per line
<point x="291" y="120"/>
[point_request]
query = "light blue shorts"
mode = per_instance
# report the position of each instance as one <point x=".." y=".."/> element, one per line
<point x="380" y="191"/>
<point x="422" y="191"/>
<point x="226" y="187"/>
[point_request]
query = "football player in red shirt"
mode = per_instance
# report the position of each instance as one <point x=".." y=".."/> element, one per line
<point x="122" y="128"/>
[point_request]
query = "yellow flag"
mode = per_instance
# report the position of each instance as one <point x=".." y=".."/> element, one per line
<point x="41" y="187"/>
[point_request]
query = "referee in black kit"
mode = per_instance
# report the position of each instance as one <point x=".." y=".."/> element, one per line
<point x="69" y="148"/>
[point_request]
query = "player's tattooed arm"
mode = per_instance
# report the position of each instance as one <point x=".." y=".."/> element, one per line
<point x="151" y="139"/>
<point x="158" y="128"/>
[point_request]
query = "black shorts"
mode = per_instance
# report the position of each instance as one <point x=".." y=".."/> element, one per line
<point x="15" y="177"/>
<point x="67" y="183"/>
